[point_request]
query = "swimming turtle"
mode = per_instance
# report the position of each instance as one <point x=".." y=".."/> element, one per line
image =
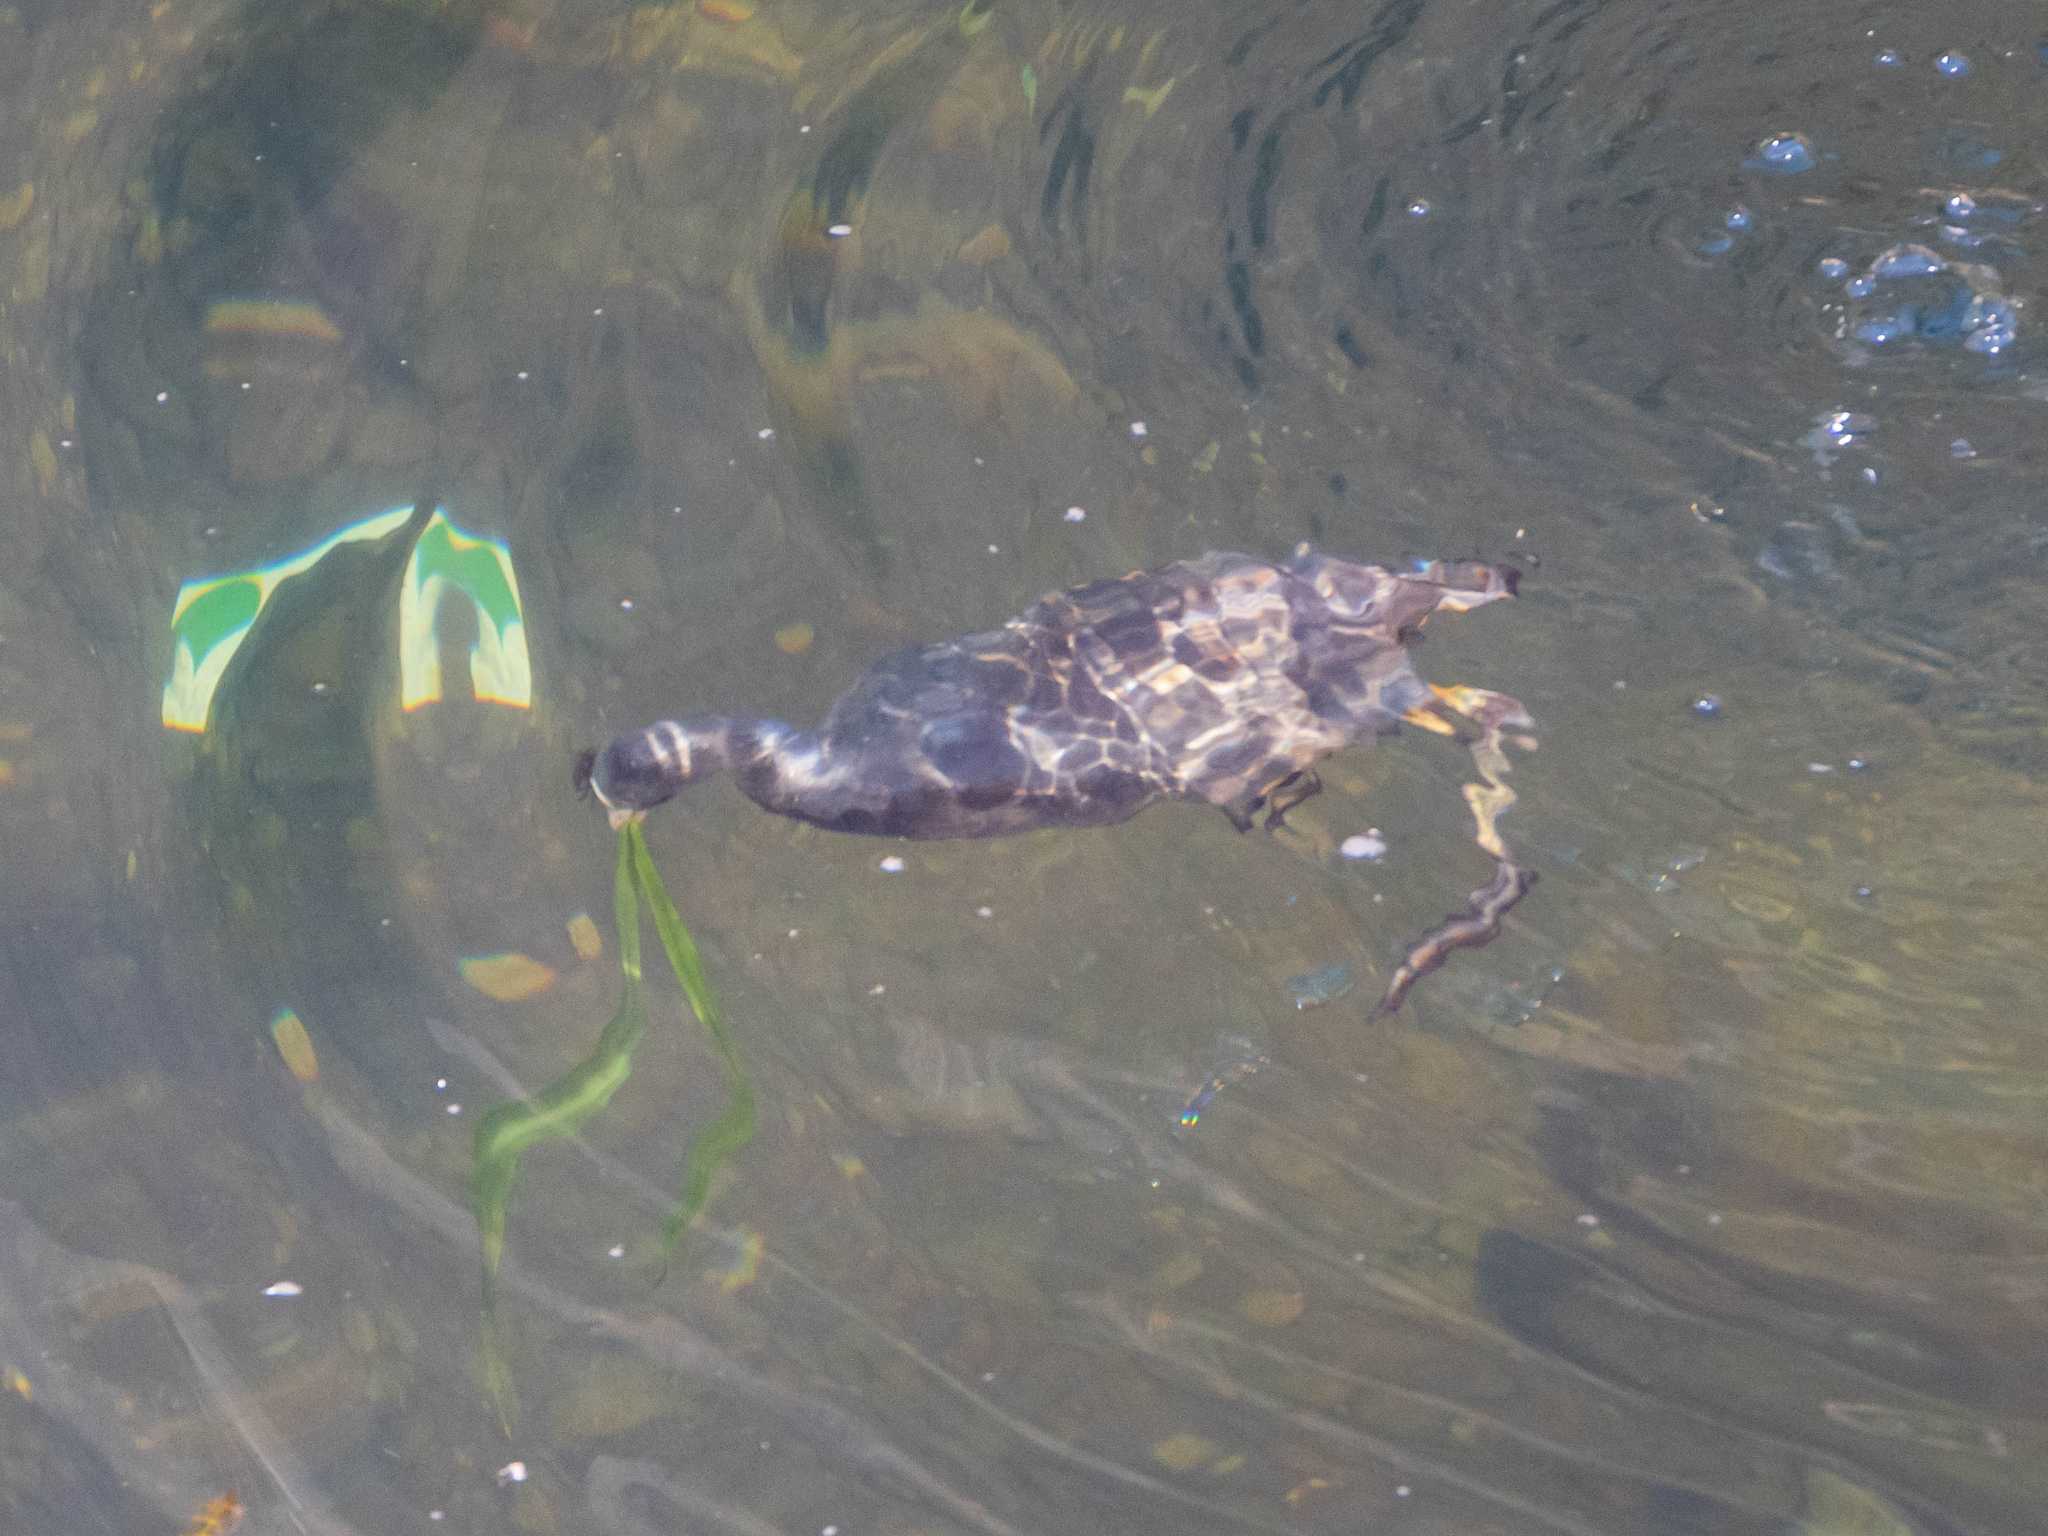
<point x="1223" y="679"/>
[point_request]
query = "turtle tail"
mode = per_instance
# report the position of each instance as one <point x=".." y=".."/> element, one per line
<point x="641" y="769"/>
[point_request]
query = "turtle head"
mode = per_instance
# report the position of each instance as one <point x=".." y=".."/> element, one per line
<point x="1466" y="584"/>
<point x="1380" y="600"/>
<point x="640" y="769"/>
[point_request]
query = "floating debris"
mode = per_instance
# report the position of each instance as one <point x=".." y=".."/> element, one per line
<point x="1368" y="845"/>
<point x="295" y="1045"/>
<point x="217" y="1516"/>
<point x="794" y="639"/>
<point x="284" y="1289"/>
<point x="1237" y="1071"/>
<point x="745" y="1267"/>
<point x="1184" y="1452"/>
<point x="271" y="317"/>
<point x="507" y="978"/>
<point x="1273" y="1307"/>
<point x="584" y="937"/>
<point x="512" y="1473"/>
<point x="1312" y="989"/>
<point x="991" y="244"/>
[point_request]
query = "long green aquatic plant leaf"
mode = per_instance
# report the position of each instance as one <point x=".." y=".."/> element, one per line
<point x="560" y="1109"/>
<point x="734" y="1128"/>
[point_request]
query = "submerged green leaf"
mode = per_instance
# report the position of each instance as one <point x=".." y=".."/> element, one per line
<point x="734" y="1128"/>
<point x="559" y="1109"/>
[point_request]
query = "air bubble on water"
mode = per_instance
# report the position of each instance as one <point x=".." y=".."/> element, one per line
<point x="1833" y="268"/>
<point x="1908" y="261"/>
<point x="1953" y="64"/>
<point x="1961" y="449"/>
<point x="1888" y="58"/>
<point x="1784" y="154"/>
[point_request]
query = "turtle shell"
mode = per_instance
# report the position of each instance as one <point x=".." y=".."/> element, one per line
<point x="1218" y="679"/>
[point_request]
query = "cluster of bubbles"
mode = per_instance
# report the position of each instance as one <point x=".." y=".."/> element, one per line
<point x="1940" y="287"/>
<point x="1909" y="291"/>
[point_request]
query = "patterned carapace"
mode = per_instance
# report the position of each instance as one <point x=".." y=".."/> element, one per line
<point x="1223" y="679"/>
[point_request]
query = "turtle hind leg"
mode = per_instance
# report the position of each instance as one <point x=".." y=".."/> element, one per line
<point x="1276" y="801"/>
<point x="1289" y="793"/>
<point x="1477" y="924"/>
<point x="1493" y="714"/>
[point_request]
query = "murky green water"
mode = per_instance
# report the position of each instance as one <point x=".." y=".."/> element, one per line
<point x="742" y="341"/>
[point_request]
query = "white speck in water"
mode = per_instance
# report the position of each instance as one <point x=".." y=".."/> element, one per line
<point x="511" y="1473"/>
<point x="440" y="1085"/>
<point x="994" y="550"/>
<point x="453" y="1109"/>
<point x="838" y="231"/>
<point x="804" y="128"/>
<point x="522" y="375"/>
<point x="1077" y="514"/>
<point x="616" y="1251"/>
<point x="1364" y="845"/>
<point x="984" y="911"/>
<point x="437" y="1514"/>
<point x="284" y="1288"/>
<point x="765" y="434"/>
<point x="1713" y="1218"/>
<point x="162" y="395"/>
<point x="626" y="603"/>
<point x="1588" y="1219"/>
<point x="1820" y="767"/>
<point x="247" y="385"/>
<point x="1403" y="1491"/>
<point x="877" y="990"/>
<point x="1137" y="429"/>
<point x="319" y="687"/>
<point x="598" y="311"/>
<point x="794" y="932"/>
<point x="892" y="865"/>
